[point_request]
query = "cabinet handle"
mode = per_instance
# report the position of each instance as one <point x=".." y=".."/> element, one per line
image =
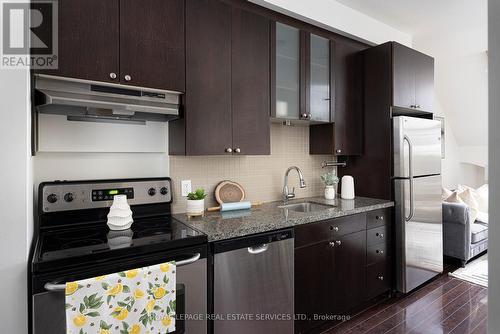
<point x="379" y="217"/>
<point x="304" y="116"/>
<point x="418" y="106"/>
<point x="413" y="106"/>
<point x="334" y="228"/>
<point x="380" y="277"/>
<point x="331" y="244"/>
<point x="379" y="251"/>
<point x="237" y="150"/>
<point x="380" y="235"/>
<point x="338" y="243"/>
<point x="112" y="75"/>
<point x="128" y="77"/>
<point x="229" y="150"/>
<point x="338" y="151"/>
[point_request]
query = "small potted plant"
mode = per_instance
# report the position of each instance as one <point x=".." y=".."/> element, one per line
<point x="196" y="203"/>
<point x="330" y="180"/>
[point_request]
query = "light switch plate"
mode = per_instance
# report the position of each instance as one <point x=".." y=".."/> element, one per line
<point x="185" y="187"/>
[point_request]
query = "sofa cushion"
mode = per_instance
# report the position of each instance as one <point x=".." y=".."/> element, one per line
<point x="479" y="232"/>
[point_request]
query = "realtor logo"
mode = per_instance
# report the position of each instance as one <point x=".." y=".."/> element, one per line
<point x="29" y="34"/>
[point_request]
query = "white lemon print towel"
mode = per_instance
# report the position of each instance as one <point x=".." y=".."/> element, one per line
<point x="129" y="302"/>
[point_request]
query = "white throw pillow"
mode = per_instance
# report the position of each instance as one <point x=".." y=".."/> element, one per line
<point x="458" y="197"/>
<point x="482" y="194"/>
<point x="445" y="193"/>
<point x="469" y="197"/>
<point x="454" y="198"/>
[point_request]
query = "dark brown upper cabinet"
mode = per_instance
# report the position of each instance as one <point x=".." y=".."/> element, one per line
<point x="133" y="42"/>
<point x="89" y="40"/>
<point x="250" y="83"/>
<point x="344" y="136"/>
<point x="227" y="82"/>
<point x="300" y="75"/>
<point x="413" y="79"/>
<point x="152" y="43"/>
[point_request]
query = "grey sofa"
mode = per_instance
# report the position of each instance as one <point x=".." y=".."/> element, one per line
<point x="463" y="239"/>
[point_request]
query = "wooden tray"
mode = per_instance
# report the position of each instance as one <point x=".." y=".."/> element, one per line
<point x="229" y="192"/>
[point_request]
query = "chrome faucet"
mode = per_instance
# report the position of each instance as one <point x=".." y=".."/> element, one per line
<point x="286" y="193"/>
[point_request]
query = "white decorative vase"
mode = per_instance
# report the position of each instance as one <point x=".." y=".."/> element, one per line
<point x="347" y="189"/>
<point x="329" y="192"/>
<point x="120" y="215"/>
<point x="195" y="207"/>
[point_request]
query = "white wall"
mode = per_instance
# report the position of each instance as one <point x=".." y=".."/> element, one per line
<point x="459" y="43"/>
<point x="494" y="158"/>
<point x="88" y="166"/>
<point x="336" y="17"/>
<point x="15" y="199"/>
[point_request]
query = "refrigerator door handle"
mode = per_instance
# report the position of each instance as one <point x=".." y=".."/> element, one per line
<point x="410" y="176"/>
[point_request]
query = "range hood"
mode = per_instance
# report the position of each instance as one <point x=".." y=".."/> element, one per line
<point x="84" y="100"/>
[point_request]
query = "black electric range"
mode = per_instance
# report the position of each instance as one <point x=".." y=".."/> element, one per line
<point x="73" y="241"/>
<point x="84" y="244"/>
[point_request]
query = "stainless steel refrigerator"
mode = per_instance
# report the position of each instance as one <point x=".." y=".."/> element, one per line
<point x="417" y="193"/>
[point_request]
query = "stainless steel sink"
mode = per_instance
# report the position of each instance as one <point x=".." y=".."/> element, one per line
<point x="306" y="207"/>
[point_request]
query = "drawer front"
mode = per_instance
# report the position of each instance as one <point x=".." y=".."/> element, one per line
<point x="376" y="254"/>
<point x="346" y="225"/>
<point x="327" y="230"/>
<point x="312" y="233"/>
<point x="377" y="235"/>
<point x="378" y="218"/>
<point x="378" y="279"/>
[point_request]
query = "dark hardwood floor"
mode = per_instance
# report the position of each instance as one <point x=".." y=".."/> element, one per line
<point x="445" y="305"/>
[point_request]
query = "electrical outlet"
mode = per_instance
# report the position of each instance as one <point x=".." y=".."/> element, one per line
<point x="185" y="187"/>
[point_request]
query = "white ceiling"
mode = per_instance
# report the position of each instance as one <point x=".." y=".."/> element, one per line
<point x="415" y="16"/>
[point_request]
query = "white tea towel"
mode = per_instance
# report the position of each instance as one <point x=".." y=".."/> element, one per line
<point x="133" y="301"/>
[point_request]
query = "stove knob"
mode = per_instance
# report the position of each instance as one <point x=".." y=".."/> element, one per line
<point x="69" y="197"/>
<point x="152" y="191"/>
<point x="52" y="198"/>
<point x="164" y="190"/>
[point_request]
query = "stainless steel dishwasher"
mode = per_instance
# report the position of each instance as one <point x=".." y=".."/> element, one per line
<point x="253" y="284"/>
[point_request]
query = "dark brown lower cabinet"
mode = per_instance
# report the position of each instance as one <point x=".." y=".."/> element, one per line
<point x="332" y="274"/>
<point x="350" y="261"/>
<point x="314" y="285"/>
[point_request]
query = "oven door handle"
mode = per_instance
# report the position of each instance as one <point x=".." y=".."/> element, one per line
<point x="62" y="287"/>
<point x="54" y="287"/>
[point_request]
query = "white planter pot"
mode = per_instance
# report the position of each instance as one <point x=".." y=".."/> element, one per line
<point x="195" y="207"/>
<point x="329" y="192"/>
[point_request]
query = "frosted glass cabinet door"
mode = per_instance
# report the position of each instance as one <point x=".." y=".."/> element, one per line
<point x="319" y="91"/>
<point x="287" y="71"/>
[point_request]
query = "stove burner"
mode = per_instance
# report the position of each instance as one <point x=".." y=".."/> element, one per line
<point x="149" y="232"/>
<point x="81" y="243"/>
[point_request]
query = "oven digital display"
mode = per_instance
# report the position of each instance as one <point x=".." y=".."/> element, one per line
<point x="107" y="194"/>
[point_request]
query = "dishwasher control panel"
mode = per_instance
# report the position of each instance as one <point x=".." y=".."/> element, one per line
<point x="253" y="240"/>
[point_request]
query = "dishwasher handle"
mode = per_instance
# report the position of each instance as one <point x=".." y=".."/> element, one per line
<point x="258" y="249"/>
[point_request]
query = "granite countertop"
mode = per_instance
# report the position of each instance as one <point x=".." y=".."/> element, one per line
<point x="268" y="216"/>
